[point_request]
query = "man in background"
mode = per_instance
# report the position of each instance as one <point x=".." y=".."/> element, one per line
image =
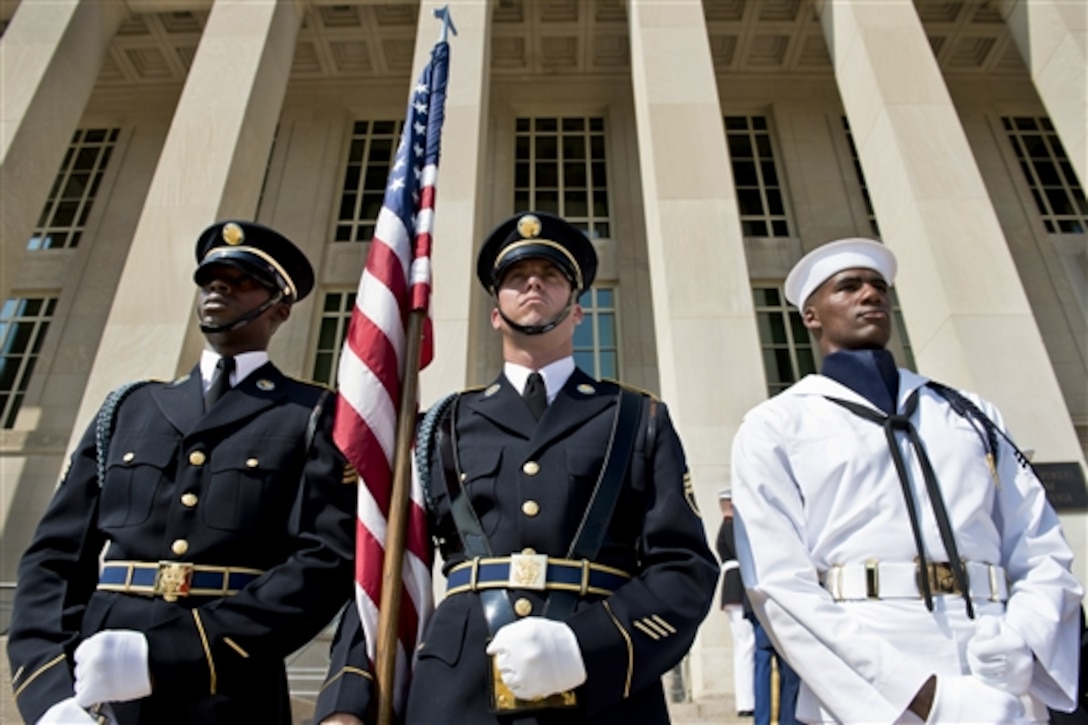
<point x="734" y="603"/>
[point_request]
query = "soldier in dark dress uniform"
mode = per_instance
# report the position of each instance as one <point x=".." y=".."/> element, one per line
<point x="227" y="525"/>
<point x="531" y="629"/>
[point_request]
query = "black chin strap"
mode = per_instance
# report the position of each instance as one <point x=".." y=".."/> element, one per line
<point x="537" y="329"/>
<point x="244" y="319"/>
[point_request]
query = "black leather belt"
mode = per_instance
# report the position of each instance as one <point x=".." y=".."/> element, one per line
<point x="534" y="571"/>
<point x="173" y="579"/>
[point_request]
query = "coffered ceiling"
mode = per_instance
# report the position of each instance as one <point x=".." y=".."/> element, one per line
<point x="366" y="39"/>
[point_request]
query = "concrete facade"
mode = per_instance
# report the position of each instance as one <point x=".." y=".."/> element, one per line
<point x="214" y="122"/>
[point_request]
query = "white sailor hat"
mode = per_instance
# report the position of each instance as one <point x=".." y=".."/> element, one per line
<point x="725" y="494"/>
<point x="824" y="262"/>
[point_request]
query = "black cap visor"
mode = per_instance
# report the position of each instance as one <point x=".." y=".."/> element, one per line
<point x="251" y="264"/>
<point x="537" y="249"/>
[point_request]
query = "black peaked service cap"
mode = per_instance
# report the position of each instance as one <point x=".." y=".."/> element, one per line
<point x="537" y="235"/>
<point x="264" y="253"/>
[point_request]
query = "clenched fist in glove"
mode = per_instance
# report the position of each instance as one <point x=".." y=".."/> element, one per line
<point x="999" y="656"/>
<point x="966" y="699"/>
<point x="538" y="657"/>
<point x="111" y="666"/>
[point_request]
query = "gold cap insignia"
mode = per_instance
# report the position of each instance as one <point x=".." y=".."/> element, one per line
<point x="529" y="227"/>
<point x="265" y="385"/>
<point x="586" y="389"/>
<point x="233" y="234"/>
<point x="492" y="390"/>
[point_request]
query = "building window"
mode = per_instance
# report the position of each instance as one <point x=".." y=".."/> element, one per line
<point x="370" y="156"/>
<point x="900" y="342"/>
<point x="23" y="324"/>
<point x="1053" y="183"/>
<point x="787" y="348"/>
<point x="759" y="191"/>
<point x="69" y="203"/>
<point x="861" y="178"/>
<point x="332" y="329"/>
<point x="560" y="167"/>
<point x="595" y="347"/>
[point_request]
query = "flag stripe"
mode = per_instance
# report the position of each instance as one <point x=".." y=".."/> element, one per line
<point x="396" y="279"/>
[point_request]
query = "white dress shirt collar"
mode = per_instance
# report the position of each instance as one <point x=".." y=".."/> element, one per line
<point x="244" y="364"/>
<point x="555" y="375"/>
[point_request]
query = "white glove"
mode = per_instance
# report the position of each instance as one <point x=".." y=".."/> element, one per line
<point x="66" y="712"/>
<point x="966" y="699"/>
<point x="111" y="666"/>
<point x="999" y="656"/>
<point x="538" y="657"/>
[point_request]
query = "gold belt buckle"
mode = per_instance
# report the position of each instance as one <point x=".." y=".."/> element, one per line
<point x="528" y="571"/>
<point x="173" y="579"/>
<point x="941" y="579"/>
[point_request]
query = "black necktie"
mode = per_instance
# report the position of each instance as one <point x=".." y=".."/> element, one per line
<point x="901" y="422"/>
<point x="220" y="382"/>
<point x="536" y="395"/>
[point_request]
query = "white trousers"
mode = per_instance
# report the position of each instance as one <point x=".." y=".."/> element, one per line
<point x="744" y="652"/>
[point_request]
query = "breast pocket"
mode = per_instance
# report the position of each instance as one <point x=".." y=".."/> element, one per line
<point x="135" y="468"/>
<point x="251" y="486"/>
<point x="480" y="467"/>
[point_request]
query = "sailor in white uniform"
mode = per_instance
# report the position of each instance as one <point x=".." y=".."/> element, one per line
<point x="895" y="543"/>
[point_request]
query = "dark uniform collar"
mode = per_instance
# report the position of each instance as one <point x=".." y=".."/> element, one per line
<point x="872" y="374"/>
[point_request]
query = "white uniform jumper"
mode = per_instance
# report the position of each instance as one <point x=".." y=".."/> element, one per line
<point x="827" y="553"/>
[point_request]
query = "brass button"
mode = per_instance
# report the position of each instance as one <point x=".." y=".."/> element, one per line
<point x="523" y="607"/>
<point x="179" y="547"/>
<point x="529" y="551"/>
<point x="128" y="457"/>
<point x="531" y="468"/>
<point x="530" y="508"/>
<point x="251" y="463"/>
<point x="189" y="500"/>
<point x="197" y="458"/>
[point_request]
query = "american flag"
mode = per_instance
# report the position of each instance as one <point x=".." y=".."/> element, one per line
<point x="396" y="280"/>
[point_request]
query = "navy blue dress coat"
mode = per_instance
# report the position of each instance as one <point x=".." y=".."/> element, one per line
<point x="256" y="483"/>
<point x="629" y="639"/>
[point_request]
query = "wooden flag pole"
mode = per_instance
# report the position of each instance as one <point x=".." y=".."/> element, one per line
<point x="385" y="665"/>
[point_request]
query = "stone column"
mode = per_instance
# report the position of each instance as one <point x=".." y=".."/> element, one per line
<point x="704" y="321"/>
<point x="969" y="319"/>
<point x="50" y="56"/>
<point x="1053" y="40"/>
<point x="460" y="188"/>
<point x="211" y="167"/>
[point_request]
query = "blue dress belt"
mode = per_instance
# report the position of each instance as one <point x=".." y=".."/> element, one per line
<point x="171" y="579"/>
<point x="561" y="574"/>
